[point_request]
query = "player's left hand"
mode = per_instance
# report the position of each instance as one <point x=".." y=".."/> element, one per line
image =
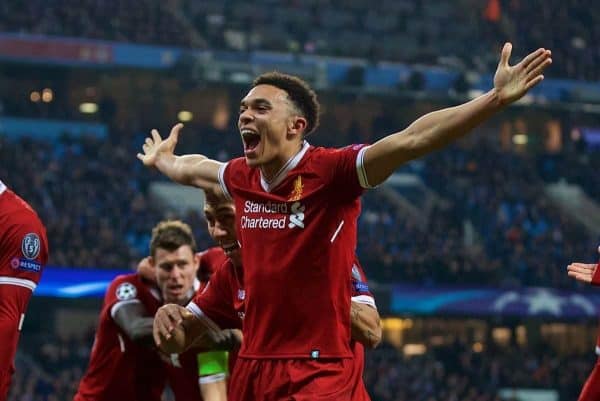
<point x="585" y="272"/>
<point x="146" y="269"/>
<point x="512" y="82"/>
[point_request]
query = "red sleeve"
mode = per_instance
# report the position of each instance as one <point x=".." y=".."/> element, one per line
<point x="226" y="172"/>
<point x="346" y="170"/>
<point x="216" y="301"/>
<point x="13" y="303"/>
<point x="24" y="251"/>
<point x="123" y="290"/>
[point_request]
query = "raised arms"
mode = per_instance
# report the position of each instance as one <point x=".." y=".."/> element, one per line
<point x="194" y="170"/>
<point x="437" y="129"/>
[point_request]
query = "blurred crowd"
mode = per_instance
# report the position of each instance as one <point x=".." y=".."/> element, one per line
<point x="92" y="197"/>
<point x="399" y="30"/>
<point x="456" y="372"/>
<point x="521" y="237"/>
<point x="449" y="372"/>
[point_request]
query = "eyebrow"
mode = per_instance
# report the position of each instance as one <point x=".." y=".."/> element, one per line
<point x="255" y="101"/>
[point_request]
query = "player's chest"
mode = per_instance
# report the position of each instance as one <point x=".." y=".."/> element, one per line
<point x="292" y="205"/>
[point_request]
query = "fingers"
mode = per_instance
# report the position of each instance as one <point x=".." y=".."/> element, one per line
<point x="534" y="82"/>
<point x="155" y="136"/>
<point x="531" y="57"/>
<point x="505" y="55"/>
<point x="166" y="319"/>
<point x="174" y="135"/>
<point x="541" y="57"/>
<point x="186" y="314"/>
<point x="584" y="278"/>
<point x="581" y="267"/>
<point x="537" y="70"/>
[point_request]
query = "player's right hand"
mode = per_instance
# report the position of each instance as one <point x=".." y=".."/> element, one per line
<point x="168" y="318"/>
<point x="155" y="147"/>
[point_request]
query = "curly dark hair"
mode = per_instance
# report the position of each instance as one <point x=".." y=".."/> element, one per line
<point x="299" y="92"/>
<point x="170" y="235"/>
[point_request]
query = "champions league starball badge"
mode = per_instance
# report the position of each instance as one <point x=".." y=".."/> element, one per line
<point x="30" y="246"/>
<point x="126" y="291"/>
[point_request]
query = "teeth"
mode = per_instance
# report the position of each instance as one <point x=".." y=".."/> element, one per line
<point x="248" y="132"/>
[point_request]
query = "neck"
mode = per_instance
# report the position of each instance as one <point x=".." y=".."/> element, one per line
<point x="269" y="170"/>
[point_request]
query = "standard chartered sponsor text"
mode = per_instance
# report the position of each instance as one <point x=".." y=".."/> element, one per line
<point x="264" y="222"/>
<point x="268" y="207"/>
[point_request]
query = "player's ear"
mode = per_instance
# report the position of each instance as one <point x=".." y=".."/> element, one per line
<point x="297" y="125"/>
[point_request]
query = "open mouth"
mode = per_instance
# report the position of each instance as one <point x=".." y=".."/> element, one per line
<point x="251" y="139"/>
<point x="175" y="289"/>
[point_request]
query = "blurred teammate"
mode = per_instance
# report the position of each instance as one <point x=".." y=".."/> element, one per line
<point x="297" y="207"/>
<point x="589" y="273"/>
<point x="199" y="373"/>
<point x="223" y="300"/>
<point x="23" y="254"/>
<point x="123" y="364"/>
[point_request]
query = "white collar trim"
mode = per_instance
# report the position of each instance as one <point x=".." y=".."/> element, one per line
<point x="2" y="187"/>
<point x="282" y="173"/>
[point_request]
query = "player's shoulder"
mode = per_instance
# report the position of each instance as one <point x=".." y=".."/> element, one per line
<point x="213" y="253"/>
<point x="320" y="153"/>
<point x="16" y="207"/>
<point x="125" y="287"/>
<point x="237" y="164"/>
<point x="211" y="259"/>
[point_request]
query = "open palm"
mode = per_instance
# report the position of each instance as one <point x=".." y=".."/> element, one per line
<point x="513" y="82"/>
<point x="155" y="147"/>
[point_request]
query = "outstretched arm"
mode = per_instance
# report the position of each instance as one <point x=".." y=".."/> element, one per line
<point x="437" y="129"/>
<point x="194" y="170"/>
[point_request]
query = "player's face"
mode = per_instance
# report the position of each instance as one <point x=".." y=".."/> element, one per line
<point x="175" y="273"/>
<point x="268" y="126"/>
<point x="220" y="219"/>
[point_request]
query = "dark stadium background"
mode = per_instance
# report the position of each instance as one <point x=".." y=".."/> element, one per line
<point x="466" y="250"/>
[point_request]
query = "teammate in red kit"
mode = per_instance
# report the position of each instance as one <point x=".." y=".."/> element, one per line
<point x="223" y="299"/>
<point x="23" y="254"/>
<point x="589" y="273"/>
<point x="200" y="372"/>
<point x="297" y="207"/>
<point x="123" y="364"/>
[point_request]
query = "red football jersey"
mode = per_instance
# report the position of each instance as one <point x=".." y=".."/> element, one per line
<point x="120" y="369"/>
<point x="223" y="302"/>
<point x="210" y="260"/>
<point x="23" y="254"/>
<point x="298" y="236"/>
<point x="182" y="374"/>
<point x="223" y="298"/>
